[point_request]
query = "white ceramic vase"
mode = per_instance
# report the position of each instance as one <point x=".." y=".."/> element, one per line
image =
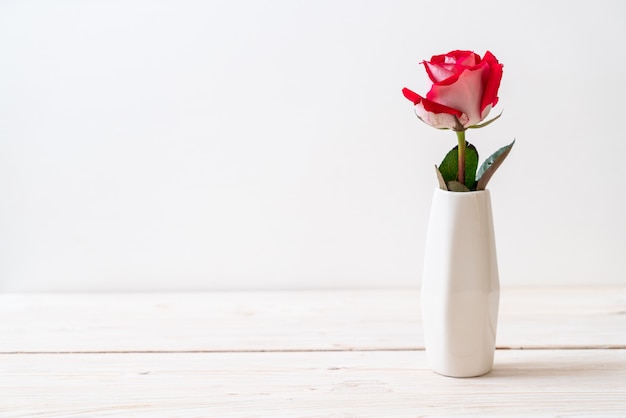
<point x="460" y="284"/>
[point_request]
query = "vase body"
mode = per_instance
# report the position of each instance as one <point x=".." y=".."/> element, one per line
<point x="460" y="284"/>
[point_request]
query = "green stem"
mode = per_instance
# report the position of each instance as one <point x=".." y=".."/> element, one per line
<point x="461" y="171"/>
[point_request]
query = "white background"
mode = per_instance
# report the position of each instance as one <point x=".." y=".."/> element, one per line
<point x="241" y="144"/>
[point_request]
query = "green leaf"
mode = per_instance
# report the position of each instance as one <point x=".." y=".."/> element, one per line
<point x="449" y="167"/>
<point x="455" y="186"/>
<point x="489" y="122"/>
<point x="471" y="164"/>
<point x="491" y="164"/>
<point x="442" y="182"/>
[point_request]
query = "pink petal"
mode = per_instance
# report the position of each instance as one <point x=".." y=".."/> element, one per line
<point x="438" y="72"/>
<point x="435" y="107"/>
<point x="463" y="92"/>
<point x="458" y="57"/>
<point x="435" y="114"/>
<point x="485" y="112"/>
<point x="437" y="120"/>
<point x="438" y="115"/>
<point x="467" y="58"/>
<point x="445" y="66"/>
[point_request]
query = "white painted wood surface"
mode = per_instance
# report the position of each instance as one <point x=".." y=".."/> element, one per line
<point x="562" y="352"/>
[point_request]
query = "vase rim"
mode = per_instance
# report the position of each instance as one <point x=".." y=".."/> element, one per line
<point x="473" y="192"/>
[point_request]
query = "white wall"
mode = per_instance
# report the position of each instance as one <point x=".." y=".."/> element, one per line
<point x="244" y="144"/>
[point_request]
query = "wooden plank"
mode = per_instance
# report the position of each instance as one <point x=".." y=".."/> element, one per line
<point x="302" y="320"/>
<point x="591" y="317"/>
<point x="538" y="383"/>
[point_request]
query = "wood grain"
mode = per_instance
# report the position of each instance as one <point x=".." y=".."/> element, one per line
<point x="303" y="320"/>
<point x="544" y="383"/>
<point x="352" y="353"/>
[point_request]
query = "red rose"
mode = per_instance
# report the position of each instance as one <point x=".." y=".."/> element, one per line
<point x="465" y="88"/>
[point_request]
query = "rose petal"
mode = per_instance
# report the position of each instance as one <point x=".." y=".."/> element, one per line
<point x="437" y="120"/>
<point x="467" y="58"/>
<point x="438" y="72"/>
<point x="438" y="115"/>
<point x="411" y="95"/>
<point x="463" y="92"/>
<point x="435" y="107"/>
<point x="485" y="112"/>
<point x="458" y="57"/>
<point x="490" y="94"/>
<point x="441" y="67"/>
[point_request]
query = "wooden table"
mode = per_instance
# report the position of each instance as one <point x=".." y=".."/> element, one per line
<point x="345" y="353"/>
